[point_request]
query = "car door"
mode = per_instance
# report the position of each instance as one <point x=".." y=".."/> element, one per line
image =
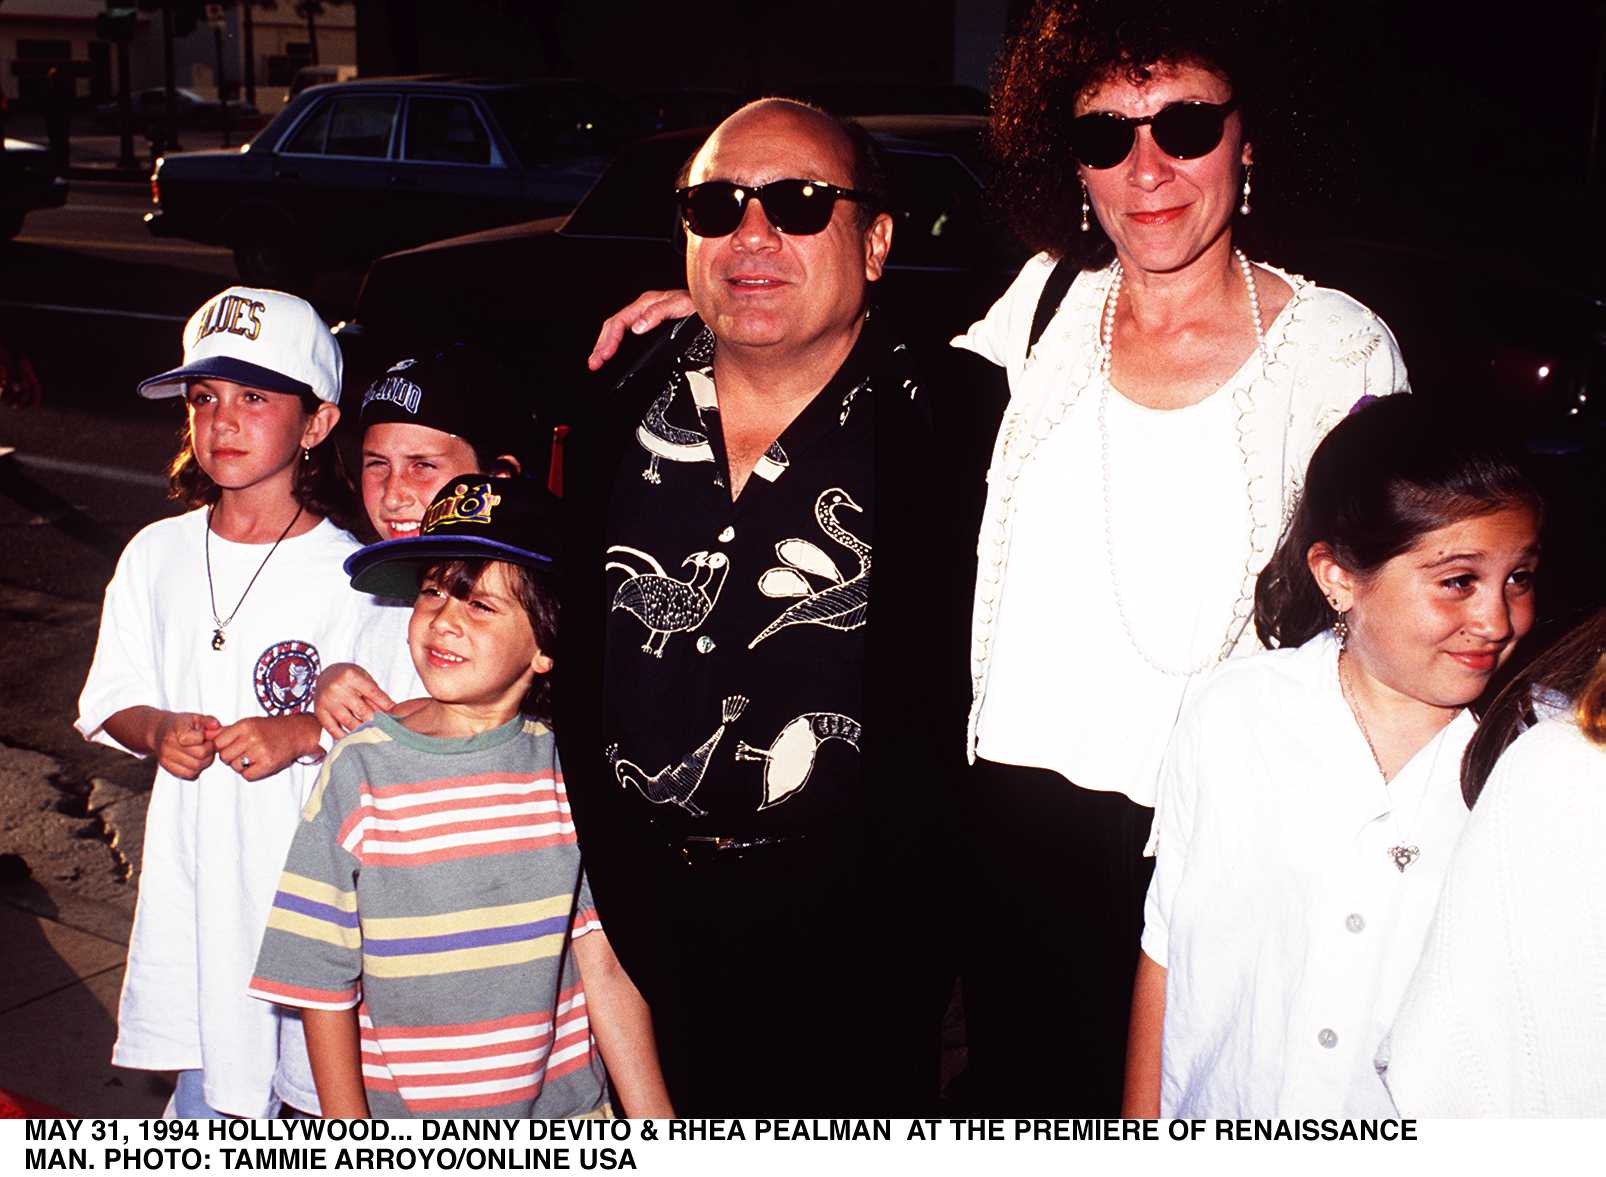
<point x="331" y="173"/>
<point x="450" y="176"/>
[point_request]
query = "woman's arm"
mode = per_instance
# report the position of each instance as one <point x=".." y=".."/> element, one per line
<point x="1141" y="1098"/>
<point x="622" y="1024"/>
<point x="335" y="1051"/>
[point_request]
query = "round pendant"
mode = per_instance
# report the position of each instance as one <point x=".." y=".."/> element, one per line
<point x="217" y="639"/>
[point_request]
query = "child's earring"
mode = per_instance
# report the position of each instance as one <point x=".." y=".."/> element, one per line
<point x="1086" y="208"/>
<point x="1244" y="207"/>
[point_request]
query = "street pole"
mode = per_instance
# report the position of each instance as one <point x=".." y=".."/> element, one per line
<point x="125" y="109"/>
<point x="170" y="115"/>
<point x="250" y="53"/>
<point x="222" y="87"/>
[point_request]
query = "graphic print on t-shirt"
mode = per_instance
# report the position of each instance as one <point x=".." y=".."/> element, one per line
<point x="284" y="677"/>
<point x="663" y="603"/>
<point x="674" y="784"/>
<point x="789" y="760"/>
<point x="843" y="603"/>
<point x="665" y="441"/>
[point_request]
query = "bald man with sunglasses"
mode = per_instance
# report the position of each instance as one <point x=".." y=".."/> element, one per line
<point x="774" y="517"/>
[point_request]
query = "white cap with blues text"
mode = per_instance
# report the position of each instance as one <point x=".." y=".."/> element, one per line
<point x="260" y="338"/>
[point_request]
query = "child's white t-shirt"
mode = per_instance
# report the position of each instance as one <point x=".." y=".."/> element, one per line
<point x="214" y="847"/>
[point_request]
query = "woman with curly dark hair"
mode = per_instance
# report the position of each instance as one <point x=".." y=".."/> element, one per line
<point x="1166" y="394"/>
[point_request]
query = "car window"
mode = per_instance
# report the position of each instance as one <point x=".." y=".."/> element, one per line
<point x="361" y="125"/>
<point x="938" y="208"/>
<point x="446" y="130"/>
<point x="636" y="195"/>
<point x="309" y="136"/>
<point x="549" y="123"/>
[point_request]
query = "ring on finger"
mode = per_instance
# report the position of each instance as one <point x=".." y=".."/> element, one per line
<point x="245" y="763"/>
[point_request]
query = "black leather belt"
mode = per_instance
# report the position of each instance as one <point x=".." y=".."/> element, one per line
<point x="702" y="849"/>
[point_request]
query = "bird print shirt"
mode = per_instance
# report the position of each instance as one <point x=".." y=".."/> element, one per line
<point x="736" y="630"/>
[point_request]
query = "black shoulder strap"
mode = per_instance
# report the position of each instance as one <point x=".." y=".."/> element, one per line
<point x="1059" y="281"/>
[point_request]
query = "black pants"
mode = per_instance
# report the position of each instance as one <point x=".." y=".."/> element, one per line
<point x="1060" y="880"/>
<point x="796" y="992"/>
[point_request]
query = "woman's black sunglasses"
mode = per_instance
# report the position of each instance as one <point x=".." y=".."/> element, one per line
<point x="1183" y="130"/>
<point x="798" y="208"/>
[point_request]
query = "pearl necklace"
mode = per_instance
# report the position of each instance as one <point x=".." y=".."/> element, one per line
<point x="1246" y="589"/>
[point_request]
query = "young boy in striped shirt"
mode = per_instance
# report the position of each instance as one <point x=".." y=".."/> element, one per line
<point x="433" y="923"/>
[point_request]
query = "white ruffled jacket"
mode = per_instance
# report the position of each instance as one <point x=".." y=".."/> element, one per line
<point x="1326" y="352"/>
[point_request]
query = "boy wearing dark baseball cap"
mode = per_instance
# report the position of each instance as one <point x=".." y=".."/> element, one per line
<point x="435" y="884"/>
<point x="427" y="419"/>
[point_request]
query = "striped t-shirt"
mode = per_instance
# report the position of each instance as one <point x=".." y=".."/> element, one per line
<point x="435" y="884"/>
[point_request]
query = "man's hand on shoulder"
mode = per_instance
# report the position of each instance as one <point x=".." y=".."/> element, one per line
<point x="650" y="308"/>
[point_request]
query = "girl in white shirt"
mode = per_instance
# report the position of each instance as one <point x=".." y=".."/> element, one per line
<point x="215" y="627"/>
<point x="1309" y="799"/>
<point x="1506" y="1015"/>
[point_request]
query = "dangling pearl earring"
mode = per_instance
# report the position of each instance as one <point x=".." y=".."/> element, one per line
<point x="1244" y="207"/>
<point x="306" y="454"/>
<point x="1086" y="208"/>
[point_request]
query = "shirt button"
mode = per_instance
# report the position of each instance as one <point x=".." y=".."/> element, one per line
<point x="727" y="535"/>
<point x="1328" y="1039"/>
<point x="1354" y="922"/>
<point x="705" y="644"/>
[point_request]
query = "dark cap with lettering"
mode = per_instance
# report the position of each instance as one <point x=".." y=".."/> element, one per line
<point x="473" y="517"/>
<point x="260" y="338"/>
<point x="458" y="390"/>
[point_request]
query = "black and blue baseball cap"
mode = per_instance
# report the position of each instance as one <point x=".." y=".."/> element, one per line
<point x="473" y="517"/>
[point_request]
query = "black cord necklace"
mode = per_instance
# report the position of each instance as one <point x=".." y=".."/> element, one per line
<point x="222" y="623"/>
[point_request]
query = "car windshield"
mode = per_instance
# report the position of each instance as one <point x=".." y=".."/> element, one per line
<point x="636" y="195"/>
<point x="551" y="122"/>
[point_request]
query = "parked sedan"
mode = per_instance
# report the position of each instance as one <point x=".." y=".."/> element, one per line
<point x="28" y="180"/>
<point x="354" y="169"/>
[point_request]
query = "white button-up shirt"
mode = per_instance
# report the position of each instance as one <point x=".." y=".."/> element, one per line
<point x="1286" y="928"/>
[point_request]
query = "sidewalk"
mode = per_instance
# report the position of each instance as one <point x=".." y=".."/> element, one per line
<point x="64" y="952"/>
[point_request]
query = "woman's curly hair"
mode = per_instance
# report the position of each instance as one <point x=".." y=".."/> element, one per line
<point x="1066" y="46"/>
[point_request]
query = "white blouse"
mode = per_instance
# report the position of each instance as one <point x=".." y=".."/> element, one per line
<point x="1506" y="1015"/>
<point x="1287" y="931"/>
<point x="1044" y="595"/>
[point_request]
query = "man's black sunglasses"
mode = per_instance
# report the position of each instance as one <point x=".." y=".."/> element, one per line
<point x="798" y="208"/>
<point x="1183" y="130"/>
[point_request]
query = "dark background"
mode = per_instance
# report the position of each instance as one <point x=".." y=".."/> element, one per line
<point x="1432" y="123"/>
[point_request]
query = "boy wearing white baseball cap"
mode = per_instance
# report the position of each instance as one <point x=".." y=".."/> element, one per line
<point x="216" y="625"/>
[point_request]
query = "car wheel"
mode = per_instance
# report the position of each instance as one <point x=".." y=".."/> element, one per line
<point x="271" y="257"/>
<point x="10" y="225"/>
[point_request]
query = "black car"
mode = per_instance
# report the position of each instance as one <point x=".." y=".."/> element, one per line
<point x="351" y="170"/>
<point x="28" y="180"/>
<point x="536" y="292"/>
